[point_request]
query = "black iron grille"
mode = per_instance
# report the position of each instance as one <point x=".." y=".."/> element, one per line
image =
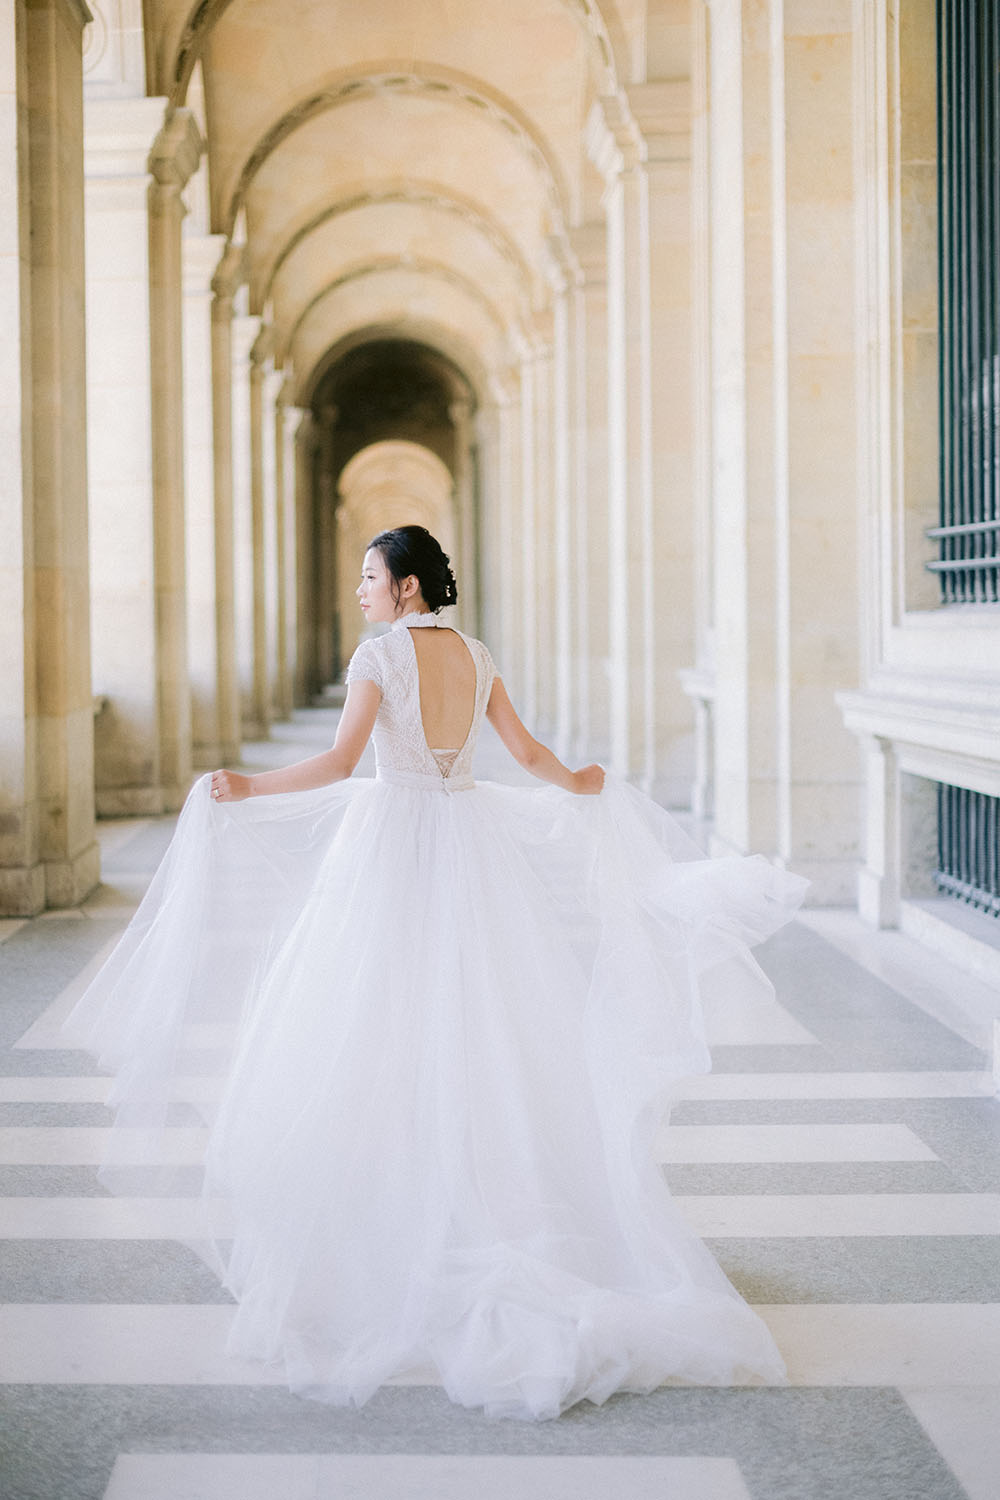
<point x="968" y="36"/>
<point x="969" y="847"/>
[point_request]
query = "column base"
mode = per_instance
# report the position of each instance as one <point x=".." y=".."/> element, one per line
<point x="878" y="901"/>
<point x="129" y="801"/>
<point x="22" y="891"/>
<point x="69" y="881"/>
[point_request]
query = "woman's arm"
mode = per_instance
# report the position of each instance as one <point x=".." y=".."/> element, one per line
<point x="353" y="731"/>
<point x="534" y="756"/>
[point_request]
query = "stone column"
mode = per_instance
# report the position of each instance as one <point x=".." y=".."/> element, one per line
<point x="270" y="390"/>
<point x="466" y="561"/>
<point x="244" y="333"/>
<point x="173" y="158"/>
<point x="48" y="853"/>
<point x="742" y="208"/>
<point x="540" y="610"/>
<point x="119" y="411"/>
<point x="590" y="415"/>
<point x="817" y="523"/>
<point x="224" y="284"/>
<point x="525" y="589"/>
<point x="134" y="339"/>
<point x="565" y="580"/>
<point x="287" y="419"/>
<point x="617" y="149"/>
<point x="663" y="114"/>
<point x="785" y="365"/>
<point x="305" y="680"/>
<point x="487" y="426"/>
<point x="333" y="633"/>
<point x="201" y="256"/>
<point x="260" y="679"/>
<point x="508" y="580"/>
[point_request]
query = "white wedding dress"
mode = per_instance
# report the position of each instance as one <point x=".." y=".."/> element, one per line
<point x="416" y="1037"/>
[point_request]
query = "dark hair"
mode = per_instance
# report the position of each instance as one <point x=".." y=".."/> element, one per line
<point x="407" y="550"/>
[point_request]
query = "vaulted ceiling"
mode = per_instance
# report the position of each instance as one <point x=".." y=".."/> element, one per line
<point x="401" y="166"/>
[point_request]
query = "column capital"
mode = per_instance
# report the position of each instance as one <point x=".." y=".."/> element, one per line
<point x="263" y="347"/>
<point x="613" y="139"/>
<point x="175" y="153"/>
<point x="229" y="272"/>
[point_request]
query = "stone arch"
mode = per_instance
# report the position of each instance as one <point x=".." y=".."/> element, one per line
<point x="434" y="269"/>
<point x="607" y="44"/>
<point x="394" y="482"/>
<point x="421" y="80"/>
<point x="420" y="195"/>
<point x="471" y="379"/>
<point x="391" y="426"/>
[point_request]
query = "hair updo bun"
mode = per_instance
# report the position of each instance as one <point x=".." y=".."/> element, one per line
<point x="411" y="550"/>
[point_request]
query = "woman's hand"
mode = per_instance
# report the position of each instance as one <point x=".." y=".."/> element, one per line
<point x="230" y="786"/>
<point x="588" y="781"/>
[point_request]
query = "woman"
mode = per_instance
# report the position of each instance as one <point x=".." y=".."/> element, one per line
<point x="432" y="1027"/>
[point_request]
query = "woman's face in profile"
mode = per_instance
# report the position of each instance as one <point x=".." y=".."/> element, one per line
<point x="377" y="603"/>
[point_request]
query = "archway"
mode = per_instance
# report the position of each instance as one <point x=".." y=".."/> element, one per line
<point x="388" y="484"/>
<point x="392" y="441"/>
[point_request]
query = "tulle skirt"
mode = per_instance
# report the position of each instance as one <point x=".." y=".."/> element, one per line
<point x="413" y="1048"/>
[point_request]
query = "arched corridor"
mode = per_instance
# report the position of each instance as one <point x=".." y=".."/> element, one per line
<point x="706" y="507"/>
<point x="677" y="321"/>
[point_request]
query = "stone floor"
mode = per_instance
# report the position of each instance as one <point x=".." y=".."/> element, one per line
<point x="842" y="1162"/>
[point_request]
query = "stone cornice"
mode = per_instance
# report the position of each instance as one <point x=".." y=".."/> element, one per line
<point x="117" y="133"/>
<point x="176" y="152"/>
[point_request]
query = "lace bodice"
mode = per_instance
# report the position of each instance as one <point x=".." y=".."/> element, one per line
<point x="401" y="746"/>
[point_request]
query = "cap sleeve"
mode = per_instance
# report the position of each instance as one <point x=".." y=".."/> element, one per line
<point x="490" y="669"/>
<point x="365" y="665"/>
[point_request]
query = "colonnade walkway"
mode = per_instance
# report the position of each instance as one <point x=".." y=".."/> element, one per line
<point x="842" y="1162"/>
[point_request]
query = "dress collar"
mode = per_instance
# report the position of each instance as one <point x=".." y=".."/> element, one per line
<point x="415" y="620"/>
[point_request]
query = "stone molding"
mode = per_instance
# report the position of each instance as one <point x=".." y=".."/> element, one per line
<point x="942" y="741"/>
<point x="230" y="273"/>
<point x="176" y="151"/>
<point x="612" y="137"/>
<point x="117" y="135"/>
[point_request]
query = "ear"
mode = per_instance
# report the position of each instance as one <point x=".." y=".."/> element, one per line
<point x="411" y="586"/>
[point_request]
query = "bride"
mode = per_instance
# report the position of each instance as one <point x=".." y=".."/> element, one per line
<point x="415" y="1037"/>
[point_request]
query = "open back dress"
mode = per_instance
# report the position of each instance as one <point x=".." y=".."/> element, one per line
<point x="411" y="1040"/>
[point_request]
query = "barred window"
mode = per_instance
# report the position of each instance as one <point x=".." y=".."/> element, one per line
<point x="968" y="33"/>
